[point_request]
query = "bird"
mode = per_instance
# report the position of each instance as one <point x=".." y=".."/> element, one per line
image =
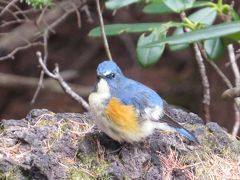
<point x="127" y="110"/>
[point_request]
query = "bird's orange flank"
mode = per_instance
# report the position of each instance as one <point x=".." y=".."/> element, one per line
<point x="124" y="116"/>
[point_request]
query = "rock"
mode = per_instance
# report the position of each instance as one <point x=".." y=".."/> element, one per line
<point x="45" y="145"/>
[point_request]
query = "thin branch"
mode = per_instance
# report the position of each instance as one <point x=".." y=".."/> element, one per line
<point x="85" y="9"/>
<point x="221" y="74"/>
<point x="205" y="82"/>
<point x="231" y="93"/>
<point x="234" y="65"/>
<point x="31" y="32"/>
<point x="11" y="81"/>
<point x="236" y="73"/>
<point x="237" y="119"/>
<point x="40" y="82"/>
<point x="8" y="6"/>
<point x="78" y="15"/>
<point x="103" y="31"/>
<point x="12" y="13"/>
<point x="203" y="73"/>
<point x="39" y="19"/>
<point x="12" y="53"/>
<point x="8" y="23"/>
<point x="67" y="89"/>
<point x="215" y="67"/>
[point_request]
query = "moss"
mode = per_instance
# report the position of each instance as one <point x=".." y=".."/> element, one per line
<point x="89" y="169"/>
<point x="212" y="156"/>
<point x="13" y="174"/>
<point x="46" y="122"/>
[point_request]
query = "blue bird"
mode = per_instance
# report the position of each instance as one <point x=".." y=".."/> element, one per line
<point x="127" y="110"/>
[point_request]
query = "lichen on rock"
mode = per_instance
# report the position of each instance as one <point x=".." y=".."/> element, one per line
<point x="47" y="145"/>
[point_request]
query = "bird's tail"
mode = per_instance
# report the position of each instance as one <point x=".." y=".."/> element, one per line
<point x="187" y="134"/>
<point x="180" y="129"/>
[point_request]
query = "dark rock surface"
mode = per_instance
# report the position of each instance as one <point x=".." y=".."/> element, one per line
<point x="45" y="145"/>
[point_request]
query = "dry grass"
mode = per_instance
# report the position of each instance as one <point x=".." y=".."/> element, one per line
<point x="207" y="165"/>
<point x="215" y="167"/>
<point x="74" y="129"/>
<point x="172" y="162"/>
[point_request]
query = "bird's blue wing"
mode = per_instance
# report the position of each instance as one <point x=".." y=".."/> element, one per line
<point x="139" y="95"/>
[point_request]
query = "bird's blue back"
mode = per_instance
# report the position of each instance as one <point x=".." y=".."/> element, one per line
<point x="134" y="93"/>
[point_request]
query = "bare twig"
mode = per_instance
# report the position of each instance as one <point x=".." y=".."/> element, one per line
<point x="39" y="19"/>
<point x="236" y="73"/>
<point x="203" y="73"/>
<point x="67" y="89"/>
<point x="11" y="81"/>
<point x="12" y="53"/>
<point x="78" y="15"/>
<point x="40" y="82"/>
<point x="234" y="65"/>
<point x="9" y="23"/>
<point x="237" y="119"/>
<point x="103" y="31"/>
<point x="231" y="93"/>
<point x="30" y="32"/>
<point x="85" y="9"/>
<point x="8" y="6"/>
<point x="205" y="82"/>
<point x="220" y="73"/>
<point x="215" y="67"/>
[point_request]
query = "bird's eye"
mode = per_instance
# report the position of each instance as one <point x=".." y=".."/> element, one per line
<point x="98" y="78"/>
<point x="111" y="76"/>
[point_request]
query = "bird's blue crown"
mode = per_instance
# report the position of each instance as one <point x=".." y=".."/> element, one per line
<point x="107" y="67"/>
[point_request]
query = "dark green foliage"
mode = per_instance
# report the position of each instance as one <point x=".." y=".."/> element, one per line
<point x="200" y="28"/>
<point x="39" y="4"/>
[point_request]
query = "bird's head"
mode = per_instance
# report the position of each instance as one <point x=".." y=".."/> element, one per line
<point x="110" y="74"/>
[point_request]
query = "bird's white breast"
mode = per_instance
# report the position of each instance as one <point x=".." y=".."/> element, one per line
<point x="96" y="99"/>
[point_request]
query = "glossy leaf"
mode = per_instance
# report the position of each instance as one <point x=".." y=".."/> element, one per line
<point x="116" y="4"/>
<point x="213" y="31"/>
<point x="179" y="5"/>
<point x="157" y="8"/>
<point x="161" y="8"/>
<point x="233" y="37"/>
<point x="178" y="47"/>
<point x="214" y="48"/>
<point x="205" y="16"/>
<point x="149" y="56"/>
<point x="235" y="15"/>
<point x="116" y="29"/>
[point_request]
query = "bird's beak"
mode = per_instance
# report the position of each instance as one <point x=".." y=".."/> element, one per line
<point x="100" y="77"/>
<point x="95" y="87"/>
<point x="96" y="83"/>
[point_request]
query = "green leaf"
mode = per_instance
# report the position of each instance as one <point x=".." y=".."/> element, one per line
<point x="161" y="8"/>
<point x="199" y="4"/>
<point x="39" y="4"/>
<point x="213" y="31"/>
<point x="157" y="8"/>
<point x="178" y="47"/>
<point x="150" y="56"/>
<point x="234" y="37"/>
<point x="214" y="48"/>
<point x="205" y="16"/>
<point x="179" y="5"/>
<point x="235" y="15"/>
<point x="116" y="29"/>
<point x="116" y="4"/>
